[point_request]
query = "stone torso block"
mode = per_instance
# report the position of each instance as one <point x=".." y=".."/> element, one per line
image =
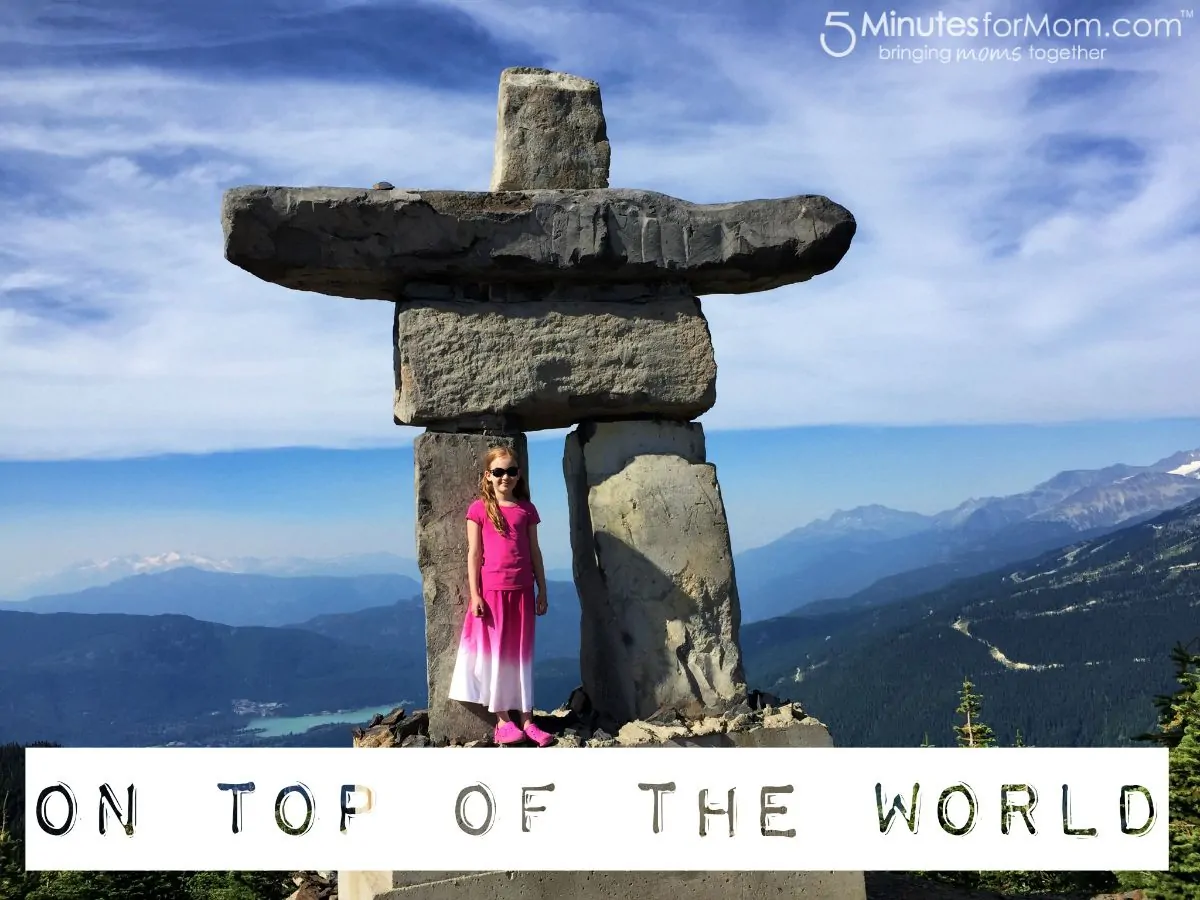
<point x="553" y="363"/>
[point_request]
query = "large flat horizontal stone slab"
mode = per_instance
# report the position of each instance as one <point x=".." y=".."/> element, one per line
<point x="368" y="244"/>
<point x="553" y="364"/>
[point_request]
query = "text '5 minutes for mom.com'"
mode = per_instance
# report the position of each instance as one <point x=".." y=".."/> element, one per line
<point x="1039" y="38"/>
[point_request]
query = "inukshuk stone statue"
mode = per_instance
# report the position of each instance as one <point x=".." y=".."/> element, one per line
<point x="547" y="302"/>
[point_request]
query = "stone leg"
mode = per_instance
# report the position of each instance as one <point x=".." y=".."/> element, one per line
<point x="448" y="466"/>
<point x="653" y="567"/>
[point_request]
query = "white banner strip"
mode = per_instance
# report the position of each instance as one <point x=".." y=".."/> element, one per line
<point x="618" y="809"/>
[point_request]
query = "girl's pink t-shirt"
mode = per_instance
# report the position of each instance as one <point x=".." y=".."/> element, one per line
<point x="507" y="561"/>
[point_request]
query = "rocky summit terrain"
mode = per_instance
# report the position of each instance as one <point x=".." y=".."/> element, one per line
<point x="577" y="724"/>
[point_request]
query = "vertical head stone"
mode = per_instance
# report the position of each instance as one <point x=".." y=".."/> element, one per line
<point x="550" y="132"/>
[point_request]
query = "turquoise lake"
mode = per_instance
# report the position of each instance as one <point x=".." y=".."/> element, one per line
<point x="277" y="726"/>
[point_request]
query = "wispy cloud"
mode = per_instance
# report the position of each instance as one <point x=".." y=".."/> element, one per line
<point x="1028" y="231"/>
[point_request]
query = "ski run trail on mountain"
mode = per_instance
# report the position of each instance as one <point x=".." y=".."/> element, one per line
<point x="963" y="626"/>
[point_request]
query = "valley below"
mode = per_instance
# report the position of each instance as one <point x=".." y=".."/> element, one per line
<point x="1069" y="647"/>
<point x="131" y="679"/>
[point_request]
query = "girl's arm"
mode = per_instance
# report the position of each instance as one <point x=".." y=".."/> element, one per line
<point x="535" y="553"/>
<point x="474" y="558"/>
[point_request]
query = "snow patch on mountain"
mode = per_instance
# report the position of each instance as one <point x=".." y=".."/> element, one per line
<point x="137" y="565"/>
<point x="98" y="573"/>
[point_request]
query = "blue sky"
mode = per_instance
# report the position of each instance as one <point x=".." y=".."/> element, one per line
<point x="1028" y="237"/>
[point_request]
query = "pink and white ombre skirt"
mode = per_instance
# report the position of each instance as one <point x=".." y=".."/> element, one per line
<point x="495" y="654"/>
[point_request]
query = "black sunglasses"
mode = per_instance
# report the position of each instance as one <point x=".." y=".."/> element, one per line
<point x="512" y="472"/>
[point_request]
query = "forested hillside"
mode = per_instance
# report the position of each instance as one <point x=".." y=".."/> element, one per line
<point x="1069" y="647"/>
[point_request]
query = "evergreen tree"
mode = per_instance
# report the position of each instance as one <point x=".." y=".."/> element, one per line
<point x="972" y="732"/>
<point x="239" y="886"/>
<point x="152" y="886"/>
<point x="1179" y="731"/>
<point x="1170" y="706"/>
<point x="15" y="882"/>
<point x="67" y="886"/>
<point x="102" y="885"/>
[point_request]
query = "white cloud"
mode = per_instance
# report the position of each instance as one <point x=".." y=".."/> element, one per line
<point x="988" y="282"/>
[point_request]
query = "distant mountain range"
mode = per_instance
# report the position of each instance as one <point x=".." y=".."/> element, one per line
<point x="230" y="598"/>
<point x="826" y="560"/>
<point x="97" y="573"/>
<point x="866" y="548"/>
<point x="1070" y="647"/>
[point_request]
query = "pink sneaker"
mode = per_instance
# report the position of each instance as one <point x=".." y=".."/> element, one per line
<point x="509" y="733"/>
<point x="538" y="736"/>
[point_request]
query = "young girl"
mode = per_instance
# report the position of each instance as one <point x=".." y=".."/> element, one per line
<point x="495" y="655"/>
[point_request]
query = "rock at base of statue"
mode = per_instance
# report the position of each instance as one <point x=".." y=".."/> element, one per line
<point x="757" y="720"/>
<point x="762" y="721"/>
<point x="653" y="568"/>
<point x="619" y="886"/>
<point x="552" y="364"/>
<point x="448" y="469"/>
